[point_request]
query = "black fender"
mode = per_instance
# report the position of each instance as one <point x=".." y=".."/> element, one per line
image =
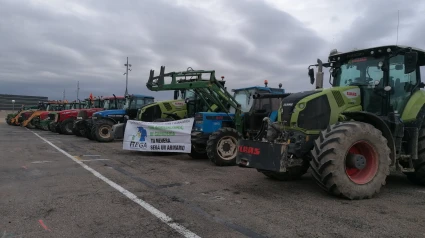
<point x="107" y="119"/>
<point x="379" y="124"/>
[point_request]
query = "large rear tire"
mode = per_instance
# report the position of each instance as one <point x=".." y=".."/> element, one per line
<point x="102" y="130"/>
<point x="222" y="146"/>
<point x="351" y="160"/>
<point x="66" y="126"/>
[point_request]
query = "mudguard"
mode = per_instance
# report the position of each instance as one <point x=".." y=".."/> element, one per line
<point x="118" y="130"/>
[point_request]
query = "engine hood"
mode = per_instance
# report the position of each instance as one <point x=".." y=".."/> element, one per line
<point x="69" y="111"/>
<point x="110" y="112"/>
<point x="294" y="98"/>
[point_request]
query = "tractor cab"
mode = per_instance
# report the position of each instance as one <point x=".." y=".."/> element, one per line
<point x="134" y="102"/>
<point x="114" y="103"/>
<point x="245" y="97"/>
<point x="386" y="77"/>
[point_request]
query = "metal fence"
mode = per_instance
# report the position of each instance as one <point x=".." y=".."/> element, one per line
<point x="7" y="104"/>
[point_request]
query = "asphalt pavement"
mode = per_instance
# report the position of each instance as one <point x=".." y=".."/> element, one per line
<point x="54" y="185"/>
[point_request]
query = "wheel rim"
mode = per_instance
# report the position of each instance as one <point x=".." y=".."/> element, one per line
<point x="226" y="147"/>
<point x="104" y="131"/>
<point x="366" y="174"/>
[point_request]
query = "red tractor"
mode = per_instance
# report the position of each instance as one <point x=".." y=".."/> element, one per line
<point x="83" y="123"/>
<point x="64" y="120"/>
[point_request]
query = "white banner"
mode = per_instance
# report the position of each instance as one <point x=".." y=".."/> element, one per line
<point x="171" y="136"/>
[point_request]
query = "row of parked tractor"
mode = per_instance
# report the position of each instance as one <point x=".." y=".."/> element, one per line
<point x="76" y="117"/>
<point x="196" y="93"/>
<point x="349" y="135"/>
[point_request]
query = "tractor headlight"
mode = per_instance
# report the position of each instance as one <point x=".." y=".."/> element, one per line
<point x="301" y="105"/>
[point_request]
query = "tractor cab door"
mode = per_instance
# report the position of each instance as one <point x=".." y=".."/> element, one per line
<point x="402" y="85"/>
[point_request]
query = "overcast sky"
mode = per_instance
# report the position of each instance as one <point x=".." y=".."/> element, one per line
<point x="47" y="46"/>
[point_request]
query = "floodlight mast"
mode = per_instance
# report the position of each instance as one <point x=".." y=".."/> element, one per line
<point x="127" y="65"/>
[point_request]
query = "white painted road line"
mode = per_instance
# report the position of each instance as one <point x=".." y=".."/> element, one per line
<point x="162" y="216"/>
<point x="40" y="162"/>
<point x="85" y="160"/>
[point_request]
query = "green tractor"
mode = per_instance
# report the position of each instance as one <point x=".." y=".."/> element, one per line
<point x="350" y="135"/>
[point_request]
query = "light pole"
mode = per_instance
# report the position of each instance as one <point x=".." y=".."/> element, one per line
<point x="126" y="77"/>
<point x="13" y="105"/>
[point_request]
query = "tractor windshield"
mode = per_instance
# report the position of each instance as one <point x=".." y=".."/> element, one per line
<point x="106" y="104"/>
<point x="360" y="72"/>
<point x="189" y="94"/>
<point x="244" y="98"/>
<point x="136" y="103"/>
<point x="109" y="104"/>
<point x="97" y="103"/>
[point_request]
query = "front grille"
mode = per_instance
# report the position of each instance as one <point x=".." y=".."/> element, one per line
<point x="286" y="114"/>
<point x="338" y="98"/>
<point x="167" y="106"/>
<point x="316" y="114"/>
<point x="151" y="113"/>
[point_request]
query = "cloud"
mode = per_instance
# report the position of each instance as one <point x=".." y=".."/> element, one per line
<point x="47" y="46"/>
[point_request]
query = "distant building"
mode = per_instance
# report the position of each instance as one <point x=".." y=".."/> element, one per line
<point x="6" y="101"/>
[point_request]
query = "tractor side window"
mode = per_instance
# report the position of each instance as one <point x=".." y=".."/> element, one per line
<point x="138" y="103"/>
<point x="401" y="83"/>
<point x="242" y="99"/>
<point x="276" y="103"/>
<point x="347" y="74"/>
<point x="121" y="103"/>
<point x="149" y="100"/>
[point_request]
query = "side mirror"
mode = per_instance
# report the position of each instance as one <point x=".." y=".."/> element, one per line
<point x="410" y="62"/>
<point x="311" y="75"/>
<point x="176" y="94"/>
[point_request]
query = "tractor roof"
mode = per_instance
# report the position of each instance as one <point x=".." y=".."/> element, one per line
<point x="260" y="88"/>
<point x="112" y="97"/>
<point x="357" y="53"/>
<point x="141" y="96"/>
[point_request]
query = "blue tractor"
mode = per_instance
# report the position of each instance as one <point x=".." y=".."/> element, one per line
<point x="103" y="121"/>
<point x="215" y="134"/>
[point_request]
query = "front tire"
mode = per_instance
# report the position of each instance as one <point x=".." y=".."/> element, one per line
<point x="30" y="125"/>
<point x="222" y="146"/>
<point x="198" y="153"/>
<point x="351" y="160"/>
<point x="66" y="126"/>
<point x="52" y="127"/>
<point x="102" y="130"/>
